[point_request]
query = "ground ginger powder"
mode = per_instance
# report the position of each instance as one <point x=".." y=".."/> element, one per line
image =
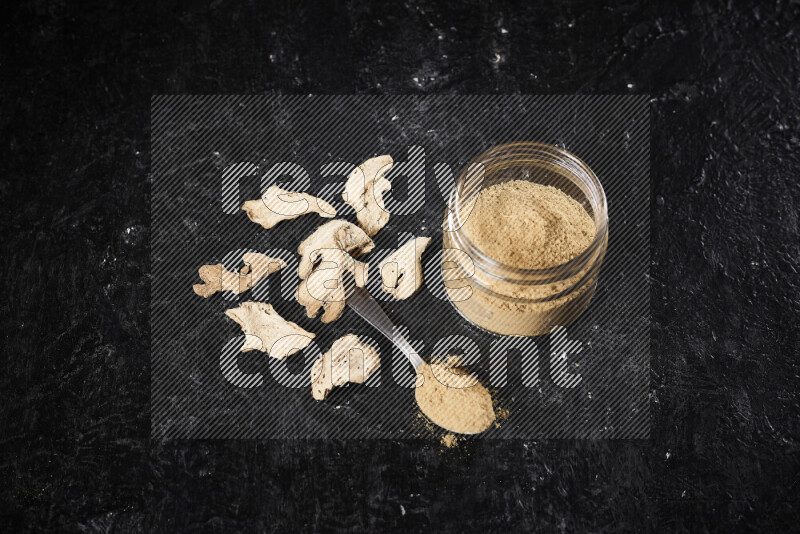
<point x="454" y="399"/>
<point x="524" y="225"/>
<point x="529" y="226"/>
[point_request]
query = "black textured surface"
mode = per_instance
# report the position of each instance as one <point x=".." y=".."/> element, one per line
<point x="77" y="81"/>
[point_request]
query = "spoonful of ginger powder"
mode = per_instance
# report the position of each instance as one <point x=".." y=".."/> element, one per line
<point x="453" y="398"/>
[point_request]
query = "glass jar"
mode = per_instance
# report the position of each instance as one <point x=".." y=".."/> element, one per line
<point x="508" y="300"/>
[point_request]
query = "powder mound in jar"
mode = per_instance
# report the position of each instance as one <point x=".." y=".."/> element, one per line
<point x="454" y="399"/>
<point x="529" y="226"/>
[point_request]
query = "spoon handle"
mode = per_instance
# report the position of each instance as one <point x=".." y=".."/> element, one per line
<point x="364" y="305"/>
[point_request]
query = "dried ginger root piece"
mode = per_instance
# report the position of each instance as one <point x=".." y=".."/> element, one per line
<point x="217" y="278"/>
<point x="278" y="205"/>
<point x="364" y="191"/>
<point x="401" y="272"/>
<point x="334" y="234"/>
<point x="267" y="331"/>
<point x="325" y="286"/>
<point x="348" y="360"/>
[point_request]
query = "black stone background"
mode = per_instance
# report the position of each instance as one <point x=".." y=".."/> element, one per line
<point x="77" y="80"/>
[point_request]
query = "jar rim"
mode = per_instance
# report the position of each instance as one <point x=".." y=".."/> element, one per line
<point x="578" y="169"/>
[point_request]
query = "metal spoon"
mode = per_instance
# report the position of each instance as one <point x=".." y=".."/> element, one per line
<point x="364" y="305"/>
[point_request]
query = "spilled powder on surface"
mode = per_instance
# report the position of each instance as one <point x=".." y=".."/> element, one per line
<point x="449" y="441"/>
<point x="454" y="399"/>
